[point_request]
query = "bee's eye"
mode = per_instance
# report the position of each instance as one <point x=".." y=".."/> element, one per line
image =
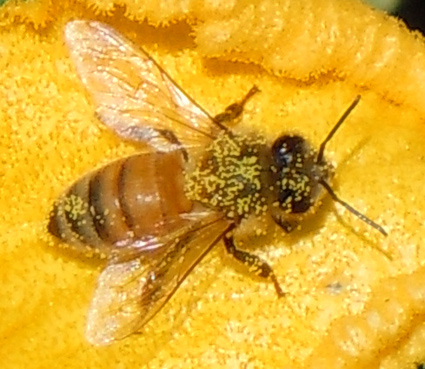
<point x="295" y="202"/>
<point x="285" y="148"/>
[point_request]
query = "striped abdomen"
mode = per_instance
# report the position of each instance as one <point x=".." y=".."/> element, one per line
<point x="126" y="200"/>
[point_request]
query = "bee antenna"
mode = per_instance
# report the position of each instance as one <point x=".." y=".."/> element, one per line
<point x="335" y="128"/>
<point x="254" y="89"/>
<point x="351" y="209"/>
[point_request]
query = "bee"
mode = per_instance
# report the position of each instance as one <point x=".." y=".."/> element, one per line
<point x="156" y="214"/>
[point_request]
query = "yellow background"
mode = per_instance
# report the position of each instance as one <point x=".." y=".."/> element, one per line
<point x="355" y="299"/>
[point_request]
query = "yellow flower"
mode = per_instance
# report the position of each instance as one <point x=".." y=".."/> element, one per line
<point x="354" y="299"/>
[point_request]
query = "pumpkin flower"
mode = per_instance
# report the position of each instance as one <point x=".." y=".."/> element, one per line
<point x="354" y="299"/>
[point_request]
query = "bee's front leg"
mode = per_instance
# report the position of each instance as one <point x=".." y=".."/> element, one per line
<point x="234" y="110"/>
<point x="287" y="225"/>
<point x="172" y="138"/>
<point x="255" y="264"/>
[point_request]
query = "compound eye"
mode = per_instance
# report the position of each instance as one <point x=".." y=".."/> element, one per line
<point x="294" y="202"/>
<point x="285" y="148"/>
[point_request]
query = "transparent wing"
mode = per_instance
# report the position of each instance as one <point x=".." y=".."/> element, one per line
<point x="134" y="95"/>
<point x="131" y="290"/>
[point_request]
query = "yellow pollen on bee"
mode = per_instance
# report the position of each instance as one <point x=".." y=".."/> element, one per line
<point x="229" y="178"/>
<point x="74" y="206"/>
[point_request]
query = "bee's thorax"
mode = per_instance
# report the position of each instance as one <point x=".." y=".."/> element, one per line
<point x="230" y="177"/>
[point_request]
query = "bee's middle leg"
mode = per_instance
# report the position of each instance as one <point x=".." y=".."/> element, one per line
<point x="234" y="110"/>
<point x="255" y="264"/>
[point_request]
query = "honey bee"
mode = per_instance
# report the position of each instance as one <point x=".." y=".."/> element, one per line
<point x="156" y="214"/>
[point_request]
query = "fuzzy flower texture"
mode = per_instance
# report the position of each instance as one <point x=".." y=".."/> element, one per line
<point x="354" y="298"/>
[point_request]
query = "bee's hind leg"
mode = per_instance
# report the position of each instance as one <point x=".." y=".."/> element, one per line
<point x="234" y="110"/>
<point x="254" y="263"/>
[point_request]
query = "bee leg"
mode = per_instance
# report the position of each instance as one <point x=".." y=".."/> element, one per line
<point x="233" y="111"/>
<point x="172" y="138"/>
<point x="286" y="225"/>
<point x="255" y="264"/>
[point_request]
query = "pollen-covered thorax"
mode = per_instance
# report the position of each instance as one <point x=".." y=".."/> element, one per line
<point x="229" y="176"/>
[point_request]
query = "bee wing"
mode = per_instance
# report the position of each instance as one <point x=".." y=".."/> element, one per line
<point x="131" y="291"/>
<point x="134" y="95"/>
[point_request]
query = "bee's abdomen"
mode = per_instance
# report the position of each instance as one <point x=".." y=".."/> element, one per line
<point x="126" y="200"/>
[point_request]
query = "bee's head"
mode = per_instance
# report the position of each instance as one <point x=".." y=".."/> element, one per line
<point x="297" y="174"/>
<point x="300" y="173"/>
